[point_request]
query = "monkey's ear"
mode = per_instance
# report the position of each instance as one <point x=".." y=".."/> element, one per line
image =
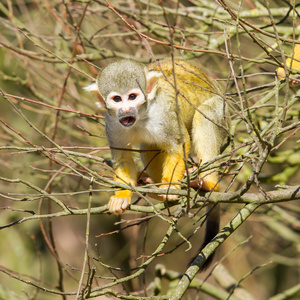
<point x="93" y="88"/>
<point x="152" y="79"/>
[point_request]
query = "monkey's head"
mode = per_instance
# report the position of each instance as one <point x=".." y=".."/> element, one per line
<point x="126" y="86"/>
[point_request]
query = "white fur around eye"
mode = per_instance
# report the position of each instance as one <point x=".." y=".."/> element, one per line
<point x="111" y="103"/>
<point x="140" y="98"/>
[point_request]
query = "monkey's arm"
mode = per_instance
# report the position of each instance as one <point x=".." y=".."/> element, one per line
<point x="125" y="172"/>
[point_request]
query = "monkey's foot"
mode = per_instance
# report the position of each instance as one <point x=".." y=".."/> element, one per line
<point x="208" y="186"/>
<point x="204" y="185"/>
<point x="202" y="182"/>
<point x="119" y="202"/>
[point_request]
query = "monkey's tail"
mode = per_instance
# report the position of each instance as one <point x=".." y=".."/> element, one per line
<point x="211" y="230"/>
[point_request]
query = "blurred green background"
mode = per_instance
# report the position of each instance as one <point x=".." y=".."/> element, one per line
<point x="53" y="142"/>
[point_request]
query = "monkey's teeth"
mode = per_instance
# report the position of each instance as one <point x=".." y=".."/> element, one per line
<point x="127" y="121"/>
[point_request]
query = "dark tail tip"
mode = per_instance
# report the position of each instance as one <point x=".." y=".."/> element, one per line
<point x="211" y="230"/>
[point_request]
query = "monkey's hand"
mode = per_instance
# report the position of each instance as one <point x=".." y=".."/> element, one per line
<point x="119" y="202"/>
<point x="169" y="197"/>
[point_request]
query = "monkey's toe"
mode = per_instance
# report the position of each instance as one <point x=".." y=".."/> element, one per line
<point x="118" y="205"/>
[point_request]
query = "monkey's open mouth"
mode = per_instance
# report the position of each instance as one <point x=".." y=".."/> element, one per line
<point x="127" y="121"/>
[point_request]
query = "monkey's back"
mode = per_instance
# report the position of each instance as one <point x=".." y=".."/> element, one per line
<point x="193" y="86"/>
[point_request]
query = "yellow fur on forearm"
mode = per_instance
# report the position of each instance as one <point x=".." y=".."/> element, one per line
<point x="125" y="172"/>
<point x="125" y="175"/>
<point x="124" y="194"/>
<point x="125" y="168"/>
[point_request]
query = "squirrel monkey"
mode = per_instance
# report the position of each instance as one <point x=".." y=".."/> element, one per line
<point x="145" y="106"/>
<point x="142" y="108"/>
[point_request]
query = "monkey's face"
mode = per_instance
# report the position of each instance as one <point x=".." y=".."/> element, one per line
<point x="125" y="107"/>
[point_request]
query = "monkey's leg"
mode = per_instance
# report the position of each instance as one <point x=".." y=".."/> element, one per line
<point x="125" y="172"/>
<point x="165" y="167"/>
<point x="174" y="167"/>
<point x="208" y="137"/>
<point x="152" y="160"/>
<point x="207" y="140"/>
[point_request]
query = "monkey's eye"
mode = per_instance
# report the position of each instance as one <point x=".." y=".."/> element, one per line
<point x="117" y="98"/>
<point x="132" y="96"/>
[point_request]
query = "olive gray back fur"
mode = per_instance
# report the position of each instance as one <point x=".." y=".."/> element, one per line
<point x="121" y="76"/>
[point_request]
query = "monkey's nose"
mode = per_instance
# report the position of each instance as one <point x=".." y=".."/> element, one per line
<point x="125" y="110"/>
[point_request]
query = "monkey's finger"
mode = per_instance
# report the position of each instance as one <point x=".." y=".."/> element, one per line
<point x="194" y="182"/>
<point x="189" y="171"/>
<point x="118" y="205"/>
<point x="147" y="180"/>
<point x="156" y="196"/>
<point x="169" y="197"/>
